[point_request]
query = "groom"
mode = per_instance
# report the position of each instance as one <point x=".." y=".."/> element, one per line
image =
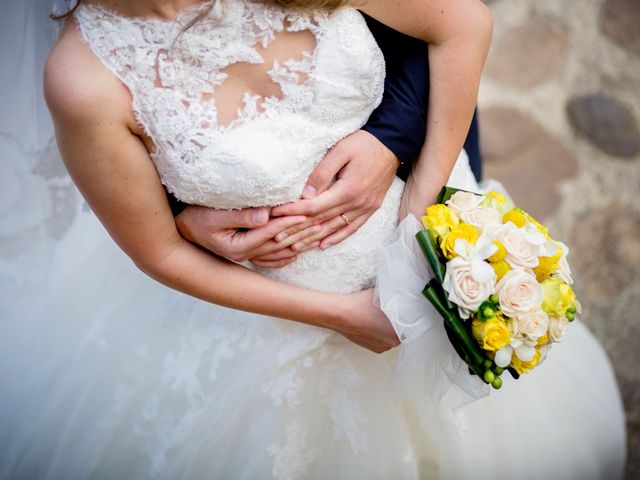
<point x="364" y="164"/>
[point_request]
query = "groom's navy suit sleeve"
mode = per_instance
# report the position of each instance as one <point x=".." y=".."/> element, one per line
<point x="400" y="120"/>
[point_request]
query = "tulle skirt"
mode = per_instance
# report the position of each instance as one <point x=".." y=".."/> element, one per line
<point x="123" y="378"/>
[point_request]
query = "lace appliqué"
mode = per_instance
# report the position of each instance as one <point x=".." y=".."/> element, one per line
<point x="175" y="76"/>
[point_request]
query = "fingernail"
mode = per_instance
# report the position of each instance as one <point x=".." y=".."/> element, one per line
<point x="298" y="246"/>
<point x="258" y="216"/>
<point x="308" y="191"/>
<point x="281" y="236"/>
<point x="324" y="246"/>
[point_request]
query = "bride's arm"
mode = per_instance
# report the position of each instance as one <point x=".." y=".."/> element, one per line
<point x="458" y="33"/>
<point x="112" y="169"/>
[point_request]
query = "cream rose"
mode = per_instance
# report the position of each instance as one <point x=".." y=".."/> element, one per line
<point x="466" y="291"/>
<point x="557" y="328"/>
<point x="523" y="247"/>
<point x="516" y="336"/>
<point x="463" y="202"/>
<point x="533" y="324"/>
<point x="480" y="217"/>
<point x="519" y="292"/>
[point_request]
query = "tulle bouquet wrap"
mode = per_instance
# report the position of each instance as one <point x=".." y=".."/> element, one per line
<point x="501" y="283"/>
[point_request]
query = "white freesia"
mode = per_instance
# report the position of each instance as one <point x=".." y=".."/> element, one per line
<point x="464" y="202"/>
<point x="519" y="292"/>
<point x="520" y="344"/>
<point x="557" y="328"/>
<point x="503" y="356"/>
<point x="564" y="272"/>
<point x="525" y="352"/>
<point x="476" y="255"/>
<point x="481" y="217"/>
<point x="467" y="286"/>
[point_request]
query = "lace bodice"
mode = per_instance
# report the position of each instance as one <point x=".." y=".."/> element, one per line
<point x="263" y="155"/>
<point x="263" y="150"/>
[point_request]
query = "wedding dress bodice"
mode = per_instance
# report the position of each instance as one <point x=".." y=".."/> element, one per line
<point x="263" y="156"/>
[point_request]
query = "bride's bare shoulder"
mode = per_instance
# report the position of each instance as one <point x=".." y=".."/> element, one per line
<point x="78" y="85"/>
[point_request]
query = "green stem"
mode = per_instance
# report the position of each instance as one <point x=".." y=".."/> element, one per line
<point x="514" y="373"/>
<point x="473" y="354"/>
<point x="430" y="250"/>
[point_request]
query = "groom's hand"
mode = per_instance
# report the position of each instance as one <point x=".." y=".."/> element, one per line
<point x="363" y="169"/>
<point x="237" y="234"/>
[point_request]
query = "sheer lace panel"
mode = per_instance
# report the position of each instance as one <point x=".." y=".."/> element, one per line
<point x="251" y="92"/>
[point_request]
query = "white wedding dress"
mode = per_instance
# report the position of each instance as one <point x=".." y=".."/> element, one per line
<point x="107" y="375"/>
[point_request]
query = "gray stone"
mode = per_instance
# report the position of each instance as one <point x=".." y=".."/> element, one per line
<point x="606" y="253"/>
<point x="606" y="122"/>
<point x="530" y="54"/>
<point x="526" y="158"/>
<point x="620" y="21"/>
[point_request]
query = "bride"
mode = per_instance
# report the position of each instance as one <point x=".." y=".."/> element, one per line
<point x="230" y="105"/>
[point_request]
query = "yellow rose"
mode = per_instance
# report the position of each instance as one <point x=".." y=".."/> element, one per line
<point x="558" y="297"/>
<point x="525" y="367"/>
<point x="462" y="231"/>
<point x="439" y="219"/>
<point x="492" y="334"/>
<point x="543" y="340"/>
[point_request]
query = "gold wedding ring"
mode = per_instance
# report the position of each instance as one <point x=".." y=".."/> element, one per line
<point x="345" y="219"/>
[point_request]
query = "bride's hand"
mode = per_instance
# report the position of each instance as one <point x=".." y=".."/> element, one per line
<point x="367" y="325"/>
<point x="236" y="234"/>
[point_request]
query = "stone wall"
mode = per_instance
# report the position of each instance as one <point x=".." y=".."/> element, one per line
<point x="559" y="111"/>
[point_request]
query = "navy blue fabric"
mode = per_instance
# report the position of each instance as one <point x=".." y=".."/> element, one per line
<point x="400" y="120"/>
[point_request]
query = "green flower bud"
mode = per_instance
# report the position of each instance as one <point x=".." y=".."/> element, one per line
<point x="488" y="312"/>
<point x="497" y="383"/>
<point x="497" y="370"/>
<point x="494" y="299"/>
<point x="487" y="363"/>
<point x="570" y="316"/>
<point x="572" y="309"/>
<point x="489" y="377"/>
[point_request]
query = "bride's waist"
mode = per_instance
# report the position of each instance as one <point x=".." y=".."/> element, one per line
<point x="351" y="265"/>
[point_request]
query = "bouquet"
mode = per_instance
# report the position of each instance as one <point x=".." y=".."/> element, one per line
<point x="501" y="283"/>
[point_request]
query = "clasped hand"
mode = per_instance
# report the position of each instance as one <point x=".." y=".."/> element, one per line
<point x="328" y="212"/>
